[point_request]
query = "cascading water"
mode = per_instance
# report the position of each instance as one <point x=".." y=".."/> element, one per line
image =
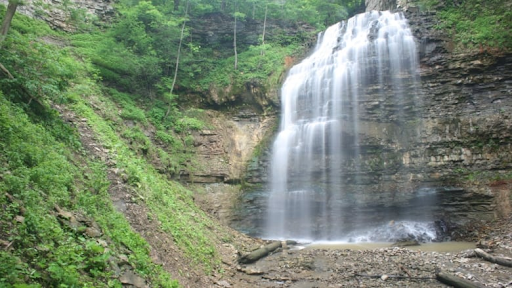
<point x="316" y="154"/>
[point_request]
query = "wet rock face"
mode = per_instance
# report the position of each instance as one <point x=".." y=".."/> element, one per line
<point x="215" y="30"/>
<point x="455" y="137"/>
<point x="59" y="13"/>
<point x="466" y="104"/>
<point x="382" y="5"/>
<point x="460" y="126"/>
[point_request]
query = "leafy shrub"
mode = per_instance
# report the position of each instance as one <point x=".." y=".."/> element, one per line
<point x="40" y="71"/>
<point x="167" y="138"/>
<point x="188" y="123"/>
<point x="133" y="113"/>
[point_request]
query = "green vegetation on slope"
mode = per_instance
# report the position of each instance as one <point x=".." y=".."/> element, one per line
<point x="40" y="172"/>
<point x="138" y="53"/>
<point x="47" y="178"/>
<point x="169" y="201"/>
<point x="118" y="79"/>
<point x="476" y="24"/>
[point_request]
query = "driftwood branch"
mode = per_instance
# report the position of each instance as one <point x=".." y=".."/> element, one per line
<point x="454" y="281"/>
<point x="442" y="277"/>
<point x="493" y="259"/>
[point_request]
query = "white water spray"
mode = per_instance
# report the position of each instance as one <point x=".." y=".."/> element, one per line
<point x="317" y="149"/>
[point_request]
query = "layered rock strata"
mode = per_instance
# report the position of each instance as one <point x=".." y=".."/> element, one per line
<point x="455" y="140"/>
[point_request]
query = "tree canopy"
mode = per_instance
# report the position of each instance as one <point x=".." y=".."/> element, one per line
<point x="146" y="35"/>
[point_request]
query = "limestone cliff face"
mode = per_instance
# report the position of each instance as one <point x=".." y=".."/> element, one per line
<point x="224" y="150"/>
<point x="241" y="114"/>
<point x="60" y="14"/>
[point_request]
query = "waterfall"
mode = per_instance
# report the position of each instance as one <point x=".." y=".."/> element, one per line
<point x="316" y="154"/>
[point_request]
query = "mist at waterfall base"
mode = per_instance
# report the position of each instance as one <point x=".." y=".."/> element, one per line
<point x="319" y="183"/>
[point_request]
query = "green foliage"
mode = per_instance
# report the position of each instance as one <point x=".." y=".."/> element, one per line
<point x="129" y="111"/>
<point x="40" y="71"/>
<point x="39" y="172"/>
<point x="264" y="64"/>
<point x="476" y="24"/>
<point x="42" y="164"/>
<point x="168" y="139"/>
<point x="39" y="175"/>
<point x="188" y="123"/>
<point x="117" y="64"/>
<point x="138" y="53"/>
<point x="170" y="202"/>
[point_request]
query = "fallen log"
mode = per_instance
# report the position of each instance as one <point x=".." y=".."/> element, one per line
<point x="262" y="252"/>
<point x="493" y="259"/>
<point x="454" y="281"/>
<point x="259" y="253"/>
<point x="391" y="276"/>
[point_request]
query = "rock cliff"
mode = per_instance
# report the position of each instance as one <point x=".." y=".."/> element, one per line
<point x="380" y="5"/>
<point x="64" y="15"/>
<point x="224" y="150"/>
<point x="454" y="142"/>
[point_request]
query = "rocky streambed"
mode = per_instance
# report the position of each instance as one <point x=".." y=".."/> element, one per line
<point x="381" y="267"/>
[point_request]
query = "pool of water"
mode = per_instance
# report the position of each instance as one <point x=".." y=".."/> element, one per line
<point x="433" y="246"/>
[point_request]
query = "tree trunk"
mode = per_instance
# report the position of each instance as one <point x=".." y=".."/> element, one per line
<point x="234" y="41"/>
<point x="176" y="5"/>
<point x="6" y="72"/>
<point x="264" y="28"/>
<point x="177" y="60"/>
<point x="264" y="25"/>
<point x="11" y="9"/>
